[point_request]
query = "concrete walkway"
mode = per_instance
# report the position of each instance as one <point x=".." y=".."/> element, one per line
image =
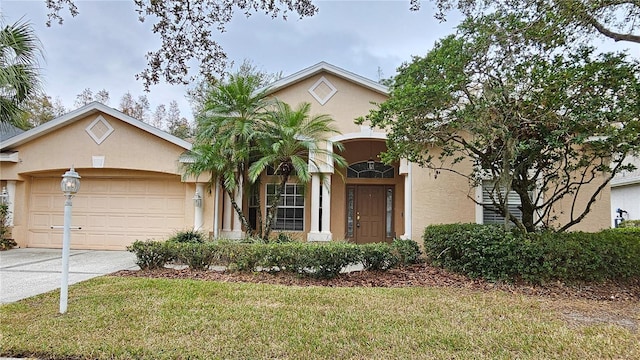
<point x="28" y="272"/>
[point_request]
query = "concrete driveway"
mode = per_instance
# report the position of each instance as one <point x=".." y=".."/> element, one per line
<point x="28" y="272"/>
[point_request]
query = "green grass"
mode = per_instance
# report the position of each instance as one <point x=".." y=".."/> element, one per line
<point x="124" y="318"/>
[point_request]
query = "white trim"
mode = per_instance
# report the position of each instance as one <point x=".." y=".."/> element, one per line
<point x="10" y="157"/>
<point x="408" y="206"/>
<point x="366" y="132"/>
<point x="328" y="97"/>
<point x="331" y="69"/>
<point x="89" y="109"/>
<point x="103" y="137"/>
<point x="479" y="207"/>
<point x="97" y="161"/>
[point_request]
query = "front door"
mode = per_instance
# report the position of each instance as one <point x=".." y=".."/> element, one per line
<point x="369" y="213"/>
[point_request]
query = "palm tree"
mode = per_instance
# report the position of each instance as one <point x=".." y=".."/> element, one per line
<point x="20" y="51"/>
<point x="285" y="140"/>
<point x="225" y="134"/>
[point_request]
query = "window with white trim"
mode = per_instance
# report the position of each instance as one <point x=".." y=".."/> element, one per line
<point x="490" y="214"/>
<point x="290" y="214"/>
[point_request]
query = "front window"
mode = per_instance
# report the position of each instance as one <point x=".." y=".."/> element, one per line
<point x="290" y="214"/>
<point x="490" y="214"/>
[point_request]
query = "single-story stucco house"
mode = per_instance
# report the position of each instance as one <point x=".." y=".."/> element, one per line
<point x="132" y="185"/>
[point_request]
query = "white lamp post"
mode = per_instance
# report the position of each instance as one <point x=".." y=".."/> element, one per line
<point x="70" y="185"/>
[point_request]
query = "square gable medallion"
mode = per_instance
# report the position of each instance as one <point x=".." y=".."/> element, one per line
<point x="322" y="90"/>
<point x="99" y="130"/>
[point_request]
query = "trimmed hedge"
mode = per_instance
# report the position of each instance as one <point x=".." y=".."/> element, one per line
<point x="495" y="254"/>
<point x="324" y="260"/>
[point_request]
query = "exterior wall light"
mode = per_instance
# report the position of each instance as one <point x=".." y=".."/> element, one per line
<point x="4" y="196"/>
<point x="371" y="165"/>
<point x="197" y="200"/>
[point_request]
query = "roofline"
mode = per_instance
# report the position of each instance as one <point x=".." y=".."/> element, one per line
<point x="332" y="69"/>
<point x="86" y="110"/>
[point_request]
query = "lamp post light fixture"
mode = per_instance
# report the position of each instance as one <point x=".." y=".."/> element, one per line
<point x="70" y="185"/>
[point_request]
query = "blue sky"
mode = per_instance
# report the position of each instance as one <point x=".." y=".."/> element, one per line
<point x="104" y="46"/>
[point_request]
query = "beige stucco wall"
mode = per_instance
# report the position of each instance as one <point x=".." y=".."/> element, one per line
<point x="126" y="148"/>
<point x="348" y="103"/>
<point x="129" y="152"/>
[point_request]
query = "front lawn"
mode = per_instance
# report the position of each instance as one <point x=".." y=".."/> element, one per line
<point x="123" y="318"/>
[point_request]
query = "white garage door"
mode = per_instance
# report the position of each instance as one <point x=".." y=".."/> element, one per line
<point x="112" y="213"/>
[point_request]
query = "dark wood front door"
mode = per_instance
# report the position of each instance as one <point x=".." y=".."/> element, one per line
<point x="370" y="218"/>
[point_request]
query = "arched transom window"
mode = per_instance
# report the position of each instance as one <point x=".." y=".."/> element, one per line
<point x="370" y="170"/>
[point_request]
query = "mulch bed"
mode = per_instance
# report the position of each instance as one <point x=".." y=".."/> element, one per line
<point x="415" y="275"/>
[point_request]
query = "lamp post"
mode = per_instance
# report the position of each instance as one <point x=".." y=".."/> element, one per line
<point x="70" y="185"/>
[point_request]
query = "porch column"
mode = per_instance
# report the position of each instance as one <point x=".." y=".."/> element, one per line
<point x="227" y="210"/>
<point x="236" y="232"/>
<point x="216" y="210"/>
<point x="318" y="184"/>
<point x="198" y="220"/>
<point x="405" y="169"/>
<point x="11" y="190"/>
<point x="326" y="207"/>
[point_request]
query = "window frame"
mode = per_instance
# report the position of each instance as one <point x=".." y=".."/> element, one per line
<point x="280" y="224"/>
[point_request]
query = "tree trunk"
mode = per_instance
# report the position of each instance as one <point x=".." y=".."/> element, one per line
<point x="243" y="218"/>
<point x="273" y="208"/>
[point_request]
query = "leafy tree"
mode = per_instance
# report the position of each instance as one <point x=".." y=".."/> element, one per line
<point x="138" y="109"/>
<point x="285" y="141"/>
<point x="20" y="53"/>
<point x="543" y="121"/>
<point x="41" y="109"/>
<point x="186" y="29"/>
<point x="159" y="116"/>
<point x="178" y="125"/>
<point x="87" y="96"/>
<point x="614" y="19"/>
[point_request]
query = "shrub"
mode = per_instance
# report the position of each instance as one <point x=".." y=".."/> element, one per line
<point x="283" y="238"/>
<point x="327" y="260"/>
<point x="485" y="251"/>
<point x="152" y="254"/>
<point x="6" y="243"/>
<point x="630" y="224"/>
<point x="378" y="256"/>
<point x="495" y="254"/>
<point x="198" y="256"/>
<point x="407" y="251"/>
<point x="188" y="236"/>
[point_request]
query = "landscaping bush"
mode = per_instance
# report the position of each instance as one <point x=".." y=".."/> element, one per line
<point x="378" y="256"/>
<point x="327" y="260"/>
<point x="188" y="236"/>
<point x="475" y="250"/>
<point x="152" y="254"/>
<point x="6" y="242"/>
<point x="496" y="254"/>
<point x="630" y="224"/>
<point x="198" y="256"/>
<point x="407" y="251"/>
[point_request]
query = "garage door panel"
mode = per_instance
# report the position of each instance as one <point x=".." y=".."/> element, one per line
<point x="112" y="213"/>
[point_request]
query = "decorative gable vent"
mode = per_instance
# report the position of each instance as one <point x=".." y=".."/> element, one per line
<point x="99" y="130"/>
<point x="322" y="90"/>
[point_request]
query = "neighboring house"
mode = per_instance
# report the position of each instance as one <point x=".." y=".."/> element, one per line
<point x="132" y="188"/>
<point x="625" y="193"/>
